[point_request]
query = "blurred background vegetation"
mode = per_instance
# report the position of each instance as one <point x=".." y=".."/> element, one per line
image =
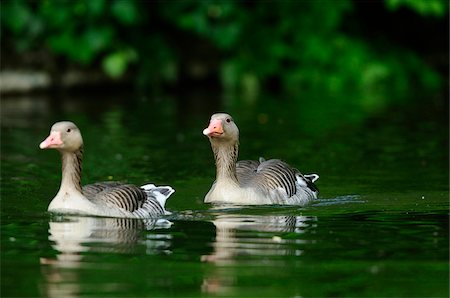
<point x="329" y="56"/>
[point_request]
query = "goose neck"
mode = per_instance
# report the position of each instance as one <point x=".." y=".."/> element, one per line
<point x="226" y="156"/>
<point x="71" y="170"/>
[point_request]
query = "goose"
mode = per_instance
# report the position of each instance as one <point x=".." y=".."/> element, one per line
<point x="110" y="199"/>
<point x="252" y="182"/>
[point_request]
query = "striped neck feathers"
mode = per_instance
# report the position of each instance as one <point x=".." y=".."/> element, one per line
<point x="71" y="170"/>
<point x="225" y="155"/>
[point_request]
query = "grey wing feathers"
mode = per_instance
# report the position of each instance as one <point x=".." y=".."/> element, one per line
<point x="277" y="179"/>
<point x="249" y="165"/>
<point x="274" y="173"/>
<point x="246" y="170"/>
<point x="267" y="175"/>
<point x="125" y="196"/>
<point x="91" y="190"/>
<point x="129" y="198"/>
<point x="150" y="208"/>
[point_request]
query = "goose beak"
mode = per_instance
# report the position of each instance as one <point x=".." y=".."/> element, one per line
<point x="52" y="141"/>
<point x="214" y="129"/>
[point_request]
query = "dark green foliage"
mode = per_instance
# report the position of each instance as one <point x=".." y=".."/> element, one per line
<point x="424" y="7"/>
<point x="296" y="46"/>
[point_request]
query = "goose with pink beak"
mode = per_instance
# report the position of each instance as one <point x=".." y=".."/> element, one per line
<point x="112" y="199"/>
<point x="252" y="182"/>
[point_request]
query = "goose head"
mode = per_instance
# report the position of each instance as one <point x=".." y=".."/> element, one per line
<point x="222" y="128"/>
<point x="64" y="136"/>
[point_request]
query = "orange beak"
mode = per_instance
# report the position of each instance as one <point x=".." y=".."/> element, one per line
<point x="214" y="129"/>
<point x="52" y="141"/>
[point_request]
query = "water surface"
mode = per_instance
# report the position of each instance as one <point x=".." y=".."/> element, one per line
<point x="379" y="229"/>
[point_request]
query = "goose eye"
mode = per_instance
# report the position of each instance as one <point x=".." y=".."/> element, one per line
<point x="68" y="130"/>
<point x="228" y="120"/>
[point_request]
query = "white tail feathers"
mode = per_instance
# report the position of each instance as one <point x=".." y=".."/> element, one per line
<point x="160" y="193"/>
<point x="312" y="177"/>
<point x="148" y="186"/>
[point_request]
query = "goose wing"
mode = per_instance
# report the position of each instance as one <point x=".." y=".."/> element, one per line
<point x="275" y="175"/>
<point x="128" y="197"/>
<point x="282" y="183"/>
<point x="91" y="190"/>
<point x="143" y="202"/>
<point x="246" y="170"/>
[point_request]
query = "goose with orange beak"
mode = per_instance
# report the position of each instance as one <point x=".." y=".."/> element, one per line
<point x="252" y="182"/>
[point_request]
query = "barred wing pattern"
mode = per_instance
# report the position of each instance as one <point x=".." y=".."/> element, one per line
<point x="245" y="170"/>
<point x="129" y="198"/>
<point x="91" y="190"/>
<point x="275" y="178"/>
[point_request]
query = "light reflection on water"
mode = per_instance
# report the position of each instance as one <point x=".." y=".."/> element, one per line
<point x="235" y="235"/>
<point x="238" y="237"/>
<point x="76" y="237"/>
<point x="252" y="235"/>
<point x="397" y="224"/>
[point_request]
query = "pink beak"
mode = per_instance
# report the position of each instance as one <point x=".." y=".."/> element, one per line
<point x="52" y="141"/>
<point x="214" y="129"/>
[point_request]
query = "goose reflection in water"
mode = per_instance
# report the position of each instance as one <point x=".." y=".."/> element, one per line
<point x="74" y="237"/>
<point x="248" y="238"/>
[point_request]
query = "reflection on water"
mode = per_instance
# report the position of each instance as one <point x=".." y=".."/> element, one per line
<point x="252" y="235"/>
<point x="248" y="238"/>
<point x="88" y="244"/>
<point x="76" y="237"/>
<point x="347" y="246"/>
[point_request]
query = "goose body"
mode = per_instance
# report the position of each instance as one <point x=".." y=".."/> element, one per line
<point x="252" y="182"/>
<point x="112" y="199"/>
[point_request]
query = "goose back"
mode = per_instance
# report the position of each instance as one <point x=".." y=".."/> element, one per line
<point x="91" y="190"/>
<point x="245" y="170"/>
<point x="277" y="180"/>
<point x="127" y="197"/>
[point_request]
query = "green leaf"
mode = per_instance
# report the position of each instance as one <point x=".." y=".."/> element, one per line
<point x="16" y="15"/>
<point x="125" y="12"/>
<point x="424" y="7"/>
<point x="98" y="38"/>
<point x="115" y="64"/>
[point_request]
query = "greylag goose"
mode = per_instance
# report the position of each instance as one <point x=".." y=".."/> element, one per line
<point x="252" y="182"/>
<point x="112" y="199"/>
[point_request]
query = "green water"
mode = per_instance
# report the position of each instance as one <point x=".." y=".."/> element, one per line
<point x="379" y="229"/>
